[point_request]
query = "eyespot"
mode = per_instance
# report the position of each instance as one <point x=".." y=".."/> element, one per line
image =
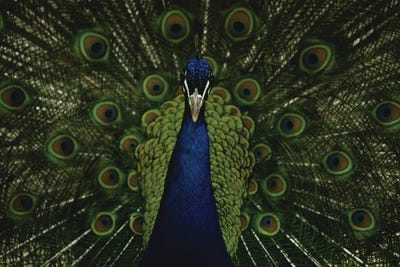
<point x="149" y="116"/>
<point x="22" y="204"/>
<point x="244" y="221"/>
<point x="291" y="125"/>
<point x="175" y="26"/>
<point x="268" y="224"/>
<point x="247" y="92"/>
<point x="239" y="24"/>
<point x="106" y="113"/>
<point x="62" y="147"/>
<point x="249" y="124"/>
<point x="133" y="181"/>
<point x="94" y="47"/>
<point x="129" y="143"/>
<point x="103" y="224"/>
<point x="252" y="187"/>
<point x="213" y="65"/>
<point x="315" y="58"/>
<point x="387" y="113"/>
<point x="262" y="152"/>
<point x="110" y="177"/>
<point x="136" y="223"/>
<point x="222" y="92"/>
<point x="337" y="162"/>
<point x="361" y="220"/>
<point x="155" y="87"/>
<point x="13" y="97"/>
<point x="274" y="185"/>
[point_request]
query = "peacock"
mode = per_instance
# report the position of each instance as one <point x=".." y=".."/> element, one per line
<point x="199" y="133"/>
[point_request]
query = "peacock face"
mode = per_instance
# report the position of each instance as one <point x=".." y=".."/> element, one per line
<point x="196" y="83"/>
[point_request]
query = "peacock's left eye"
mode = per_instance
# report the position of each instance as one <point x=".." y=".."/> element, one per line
<point x="103" y="223"/>
<point x="262" y="152"/>
<point x="62" y="147"/>
<point x="315" y="58"/>
<point x="274" y="185"/>
<point x="387" y="113"/>
<point x="110" y="177"/>
<point x="361" y="220"/>
<point x="13" y="97"/>
<point x="268" y="224"/>
<point x="247" y="91"/>
<point x="155" y="87"/>
<point x="338" y="162"/>
<point x="22" y="204"/>
<point x="106" y="113"/>
<point x="94" y="47"/>
<point x="175" y="26"/>
<point x="291" y="125"/>
<point x="239" y="24"/>
<point x="136" y="223"/>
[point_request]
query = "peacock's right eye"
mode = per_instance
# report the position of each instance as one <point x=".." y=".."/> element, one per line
<point x="175" y="26"/>
<point x="103" y="223"/>
<point x="338" y="162"/>
<point x="247" y="91"/>
<point x="239" y="24"/>
<point x="136" y="223"/>
<point x="13" y="97"/>
<point x="268" y="224"/>
<point x="361" y="220"/>
<point x="22" y="204"/>
<point x="315" y="58"/>
<point x="291" y="125"/>
<point x="94" y="47"/>
<point x="106" y="113"/>
<point x="387" y="113"/>
<point x="62" y="147"/>
<point x="262" y="152"/>
<point x="274" y="185"/>
<point x="155" y="87"/>
<point x="110" y="177"/>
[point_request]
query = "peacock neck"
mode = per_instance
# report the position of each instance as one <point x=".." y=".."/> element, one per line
<point x="186" y="232"/>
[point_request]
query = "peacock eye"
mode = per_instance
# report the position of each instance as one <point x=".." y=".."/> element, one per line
<point x="136" y="223"/>
<point x="262" y="152"/>
<point x="337" y="162"/>
<point x="175" y="26"/>
<point x="13" y="97"/>
<point x="274" y="185"/>
<point x="247" y="91"/>
<point x="268" y="224"/>
<point x="150" y="116"/>
<point x="103" y="223"/>
<point x="239" y="24"/>
<point x="155" y="87"/>
<point x="94" y="47"/>
<point x="22" y="204"/>
<point x="129" y="143"/>
<point x="110" y="177"/>
<point x="315" y="58"/>
<point x="62" y="147"/>
<point x="133" y="181"/>
<point x="106" y="113"/>
<point x="244" y="221"/>
<point x="291" y="125"/>
<point x="252" y="187"/>
<point x="387" y="113"/>
<point x="361" y="220"/>
<point x="249" y="124"/>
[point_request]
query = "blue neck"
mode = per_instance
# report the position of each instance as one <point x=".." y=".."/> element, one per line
<point x="186" y="232"/>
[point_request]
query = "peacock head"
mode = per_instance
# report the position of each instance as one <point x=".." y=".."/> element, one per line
<point x="196" y="83"/>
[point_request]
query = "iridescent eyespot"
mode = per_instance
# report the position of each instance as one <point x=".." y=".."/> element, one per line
<point x="133" y="181"/>
<point x="222" y="92"/>
<point x="387" y="113"/>
<point x="239" y="24"/>
<point x="149" y="116"/>
<point x="268" y="224"/>
<point x="361" y="220"/>
<point x="110" y="177"/>
<point x="155" y="87"/>
<point x="22" y="204"/>
<point x="62" y="147"/>
<point x="291" y="124"/>
<point x="136" y="223"/>
<point x="175" y="26"/>
<point x="244" y="221"/>
<point x="274" y="185"/>
<point x="316" y="58"/>
<point x="13" y="97"/>
<point x="249" y="124"/>
<point x="129" y="143"/>
<point x="103" y="224"/>
<point x="94" y="47"/>
<point x="252" y="187"/>
<point x="247" y="92"/>
<point x="337" y="162"/>
<point x="262" y="152"/>
<point x="106" y="113"/>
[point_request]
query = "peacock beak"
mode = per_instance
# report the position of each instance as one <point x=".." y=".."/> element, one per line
<point x="195" y="103"/>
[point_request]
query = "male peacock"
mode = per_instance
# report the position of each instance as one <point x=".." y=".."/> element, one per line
<point x="278" y="146"/>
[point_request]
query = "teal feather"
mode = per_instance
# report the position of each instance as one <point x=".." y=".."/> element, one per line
<point x="303" y="122"/>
